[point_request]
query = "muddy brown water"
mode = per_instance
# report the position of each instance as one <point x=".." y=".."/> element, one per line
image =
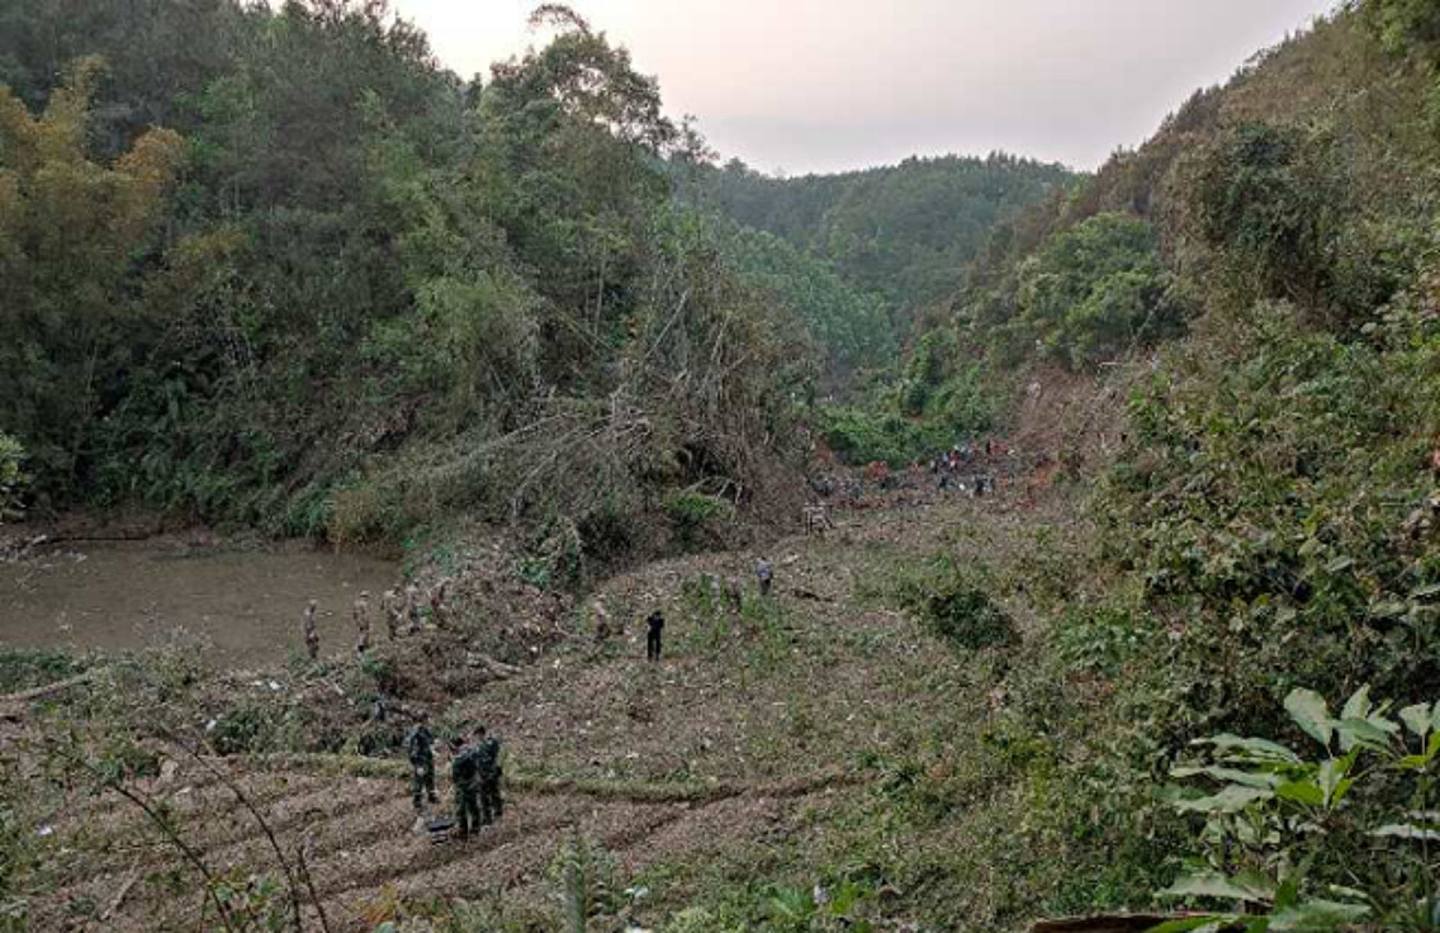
<point x="239" y="607"/>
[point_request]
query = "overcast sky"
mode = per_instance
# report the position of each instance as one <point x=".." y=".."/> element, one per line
<point x="824" y="85"/>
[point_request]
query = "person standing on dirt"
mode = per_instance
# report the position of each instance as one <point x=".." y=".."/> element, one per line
<point x="412" y="608"/>
<point x="465" y="779"/>
<point x="656" y="624"/>
<point x="419" y="748"/>
<point x="437" y="603"/>
<point x="393" y="612"/>
<point x="361" y="614"/>
<point x="487" y="760"/>
<point x="764" y="574"/>
<point x="312" y="634"/>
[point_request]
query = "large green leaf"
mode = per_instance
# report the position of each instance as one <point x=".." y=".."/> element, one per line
<point x="1418" y="719"/>
<point x="1262" y="779"/>
<point x="1364" y="732"/>
<point x="1311" y="714"/>
<point x="1252" y="749"/>
<point x="1231" y="799"/>
<point x="1317" y="915"/>
<point x="1359" y="705"/>
<point x="1408" y="831"/>
<point x="1333" y="780"/>
<point x="1212" y="884"/>
<point x="1306" y="792"/>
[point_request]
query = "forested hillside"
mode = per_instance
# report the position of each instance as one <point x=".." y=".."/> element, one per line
<point x="1182" y="657"/>
<point x="278" y="267"/>
<point x="903" y="232"/>
<point x="873" y="252"/>
<point x="1250" y="297"/>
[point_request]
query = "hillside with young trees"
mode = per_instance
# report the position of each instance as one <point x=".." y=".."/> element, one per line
<point x="1164" y="645"/>
<point x="903" y="232"/>
<point x="278" y="267"/>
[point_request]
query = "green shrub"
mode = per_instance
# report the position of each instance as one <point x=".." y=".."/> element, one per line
<point x="13" y="480"/>
<point x="24" y="668"/>
<point x="242" y="729"/>
<point x="609" y="531"/>
<point x="693" y="514"/>
<point x="953" y="605"/>
<point x="1294" y="839"/>
<point x="1101" y="639"/>
<point x="1098" y="291"/>
<point x="858" y="436"/>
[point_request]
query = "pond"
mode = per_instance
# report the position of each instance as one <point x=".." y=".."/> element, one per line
<point x="241" y="607"/>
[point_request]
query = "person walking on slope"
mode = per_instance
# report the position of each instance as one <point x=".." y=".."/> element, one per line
<point x="437" y="604"/>
<point x="312" y="634"/>
<point x="361" y="614"/>
<point x="412" y="609"/>
<point x="465" y="779"/>
<point x="487" y="758"/>
<point x="764" y="574"/>
<point x="392" y="611"/>
<point x="419" y="748"/>
<point x="656" y="623"/>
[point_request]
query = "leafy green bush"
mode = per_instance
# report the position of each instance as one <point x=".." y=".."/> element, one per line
<point x="13" y="480"/>
<point x="693" y="514"/>
<point x="1285" y="834"/>
<point x="1093" y="293"/>
<point x="1102" y="639"/>
<point x="609" y="531"/>
<point x="861" y="436"/>
<point x="24" y="668"/>
<point x="955" y="607"/>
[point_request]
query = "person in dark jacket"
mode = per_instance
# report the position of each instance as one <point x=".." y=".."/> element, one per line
<point x="656" y="623"/>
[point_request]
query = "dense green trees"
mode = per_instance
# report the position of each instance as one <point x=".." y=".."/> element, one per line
<point x="904" y="232"/>
<point x="851" y="326"/>
<point x="71" y="233"/>
<point x="863" y="256"/>
<point x="354" y="291"/>
<point x="1086" y="296"/>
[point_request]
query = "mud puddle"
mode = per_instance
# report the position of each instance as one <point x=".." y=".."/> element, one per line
<point x="239" y="607"/>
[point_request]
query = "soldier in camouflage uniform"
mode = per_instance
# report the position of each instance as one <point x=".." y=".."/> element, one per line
<point x="465" y="778"/>
<point x="393" y="612"/>
<point x="437" y="603"/>
<point x="764" y="575"/>
<point x="487" y="757"/>
<point x="419" y="747"/>
<point x="312" y="634"/>
<point x="360" y="612"/>
<point x="412" y="608"/>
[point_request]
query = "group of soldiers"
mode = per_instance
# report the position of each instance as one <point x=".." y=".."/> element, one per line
<point x="475" y="769"/>
<point x="402" y="612"/>
<point x="474" y="775"/>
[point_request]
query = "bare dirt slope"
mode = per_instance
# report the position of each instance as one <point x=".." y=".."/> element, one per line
<point x="755" y="729"/>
